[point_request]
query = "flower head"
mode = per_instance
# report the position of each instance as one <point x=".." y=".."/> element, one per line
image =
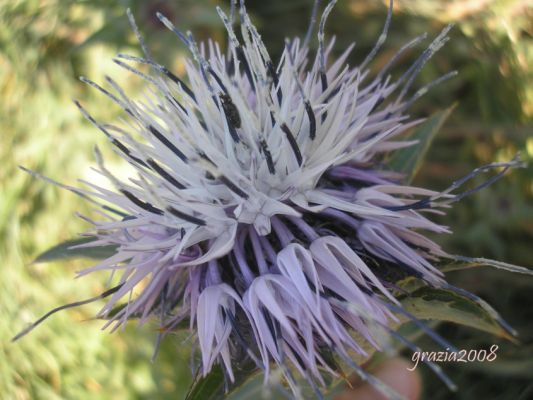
<point x="259" y="211"/>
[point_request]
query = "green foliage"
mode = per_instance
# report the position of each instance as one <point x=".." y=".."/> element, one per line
<point x="69" y="249"/>
<point x="409" y="160"/>
<point x="212" y="386"/>
<point x="445" y="305"/>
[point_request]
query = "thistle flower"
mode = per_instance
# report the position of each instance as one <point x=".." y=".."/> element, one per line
<point x="259" y="213"/>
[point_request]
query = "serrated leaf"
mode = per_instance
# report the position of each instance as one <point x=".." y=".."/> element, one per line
<point x="447" y="305"/>
<point x="461" y="263"/>
<point x="409" y="160"/>
<point x="412" y="283"/>
<point x="64" y="251"/>
<point x="212" y="386"/>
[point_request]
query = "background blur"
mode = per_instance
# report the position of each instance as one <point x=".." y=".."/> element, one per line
<point x="46" y="44"/>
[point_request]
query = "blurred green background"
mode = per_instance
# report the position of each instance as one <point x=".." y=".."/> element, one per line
<point x="46" y="44"/>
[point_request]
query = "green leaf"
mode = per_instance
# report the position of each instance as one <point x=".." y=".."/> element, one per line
<point x="208" y="387"/>
<point x="446" y="305"/>
<point x="460" y="263"/>
<point x="64" y="251"/>
<point x="212" y="387"/>
<point x="251" y="388"/>
<point x="516" y="367"/>
<point x="409" y="160"/>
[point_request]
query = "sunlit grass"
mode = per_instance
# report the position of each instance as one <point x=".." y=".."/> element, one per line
<point x="45" y="46"/>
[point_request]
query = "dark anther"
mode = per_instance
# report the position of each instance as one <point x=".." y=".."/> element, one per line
<point x="219" y="81"/>
<point x="178" y="81"/>
<point x="185" y="216"/>
<point x="324" y="81"/>
<point x="172" y="99"/>
<point x="242" y="59"/>
<point x="293" y="144"/>
<point x="144" y="205"/>
<point x="164" y="174"/>
<point x="167" y="143"/>
<point x="234" y="188"/>
<point x="272" y="119"/>
<point x="127" y="152"/>
<point x="420" y="204"/>
<point x="114" y="211"/>
<point x="268" y="156"/>
<point x="274" y="75"/>
<point x="230" y="67"/>
<point x="312" y="120"/>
